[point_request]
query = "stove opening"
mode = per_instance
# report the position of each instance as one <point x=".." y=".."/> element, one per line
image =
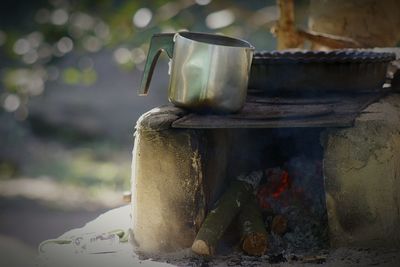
<point x="291" y="193"/>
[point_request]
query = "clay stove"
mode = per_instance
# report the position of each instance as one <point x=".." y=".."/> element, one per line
<point x="341" y="154"/>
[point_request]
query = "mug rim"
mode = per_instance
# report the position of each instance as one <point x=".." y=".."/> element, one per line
<point x="215" y="39"/>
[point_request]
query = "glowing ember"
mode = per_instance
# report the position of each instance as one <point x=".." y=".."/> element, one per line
<point x="278" y="183"/>
<point x="283" y="186"/>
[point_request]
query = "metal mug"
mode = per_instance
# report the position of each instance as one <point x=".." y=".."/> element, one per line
<point x="208" y="72"/>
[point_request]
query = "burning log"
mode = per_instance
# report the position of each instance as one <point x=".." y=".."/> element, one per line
<point x="278" y="183"/>
<point x="228" y="206"/>
<point x="254" y="234"/>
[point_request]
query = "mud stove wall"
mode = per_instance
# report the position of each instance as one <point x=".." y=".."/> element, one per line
<point x="177" y="174"/>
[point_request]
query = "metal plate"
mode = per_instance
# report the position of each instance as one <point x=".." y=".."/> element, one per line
<point x="267" y="112"/>
<point x="293" y="100"/>
<point x="260" y="111"/>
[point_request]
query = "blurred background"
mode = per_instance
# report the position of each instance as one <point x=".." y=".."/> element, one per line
<point x="69" y="71"/>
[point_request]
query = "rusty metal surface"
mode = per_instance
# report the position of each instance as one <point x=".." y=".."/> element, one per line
<point x="281" y="112"/>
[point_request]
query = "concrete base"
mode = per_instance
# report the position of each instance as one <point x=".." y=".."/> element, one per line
<point x="167" y="200"/>
<point x="362" y="178"/>
<point x="178" y="173"/>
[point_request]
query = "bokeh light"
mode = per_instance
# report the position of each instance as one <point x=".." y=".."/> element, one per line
<point x="36" y="85"/>
<point x="21" y="46"/>
<point x="142" y="17"/>
<point x="102" y="31"/>
<point x="82" y="21"/>
<point x="11" y="103"/>
<point x="220" y="19"/>
<point x="203" y="2"/>
<point x="168" y="10"/>
<point x="65" y="45"/>
<point x="35" y="39"/>
<point x="59" y="17"/>
<point x="122" y="55"/>
<point x="138" y="55"/>
<point x="30" y="57"/>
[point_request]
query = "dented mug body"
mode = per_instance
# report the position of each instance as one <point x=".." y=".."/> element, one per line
<point x="208" y="72"/>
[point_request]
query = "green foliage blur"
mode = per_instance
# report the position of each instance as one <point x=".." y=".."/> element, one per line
<point x="35" y="35"/>
<point x="47" y="42"/>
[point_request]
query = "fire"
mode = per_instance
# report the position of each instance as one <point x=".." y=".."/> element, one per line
<point x="278" y="183"/>
<point x="284" y="185"/>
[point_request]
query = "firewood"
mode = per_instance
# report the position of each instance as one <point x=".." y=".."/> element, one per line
<point x="254" y="234"/>
<point x="279" y="225"/>
<point x="218" y="219"/>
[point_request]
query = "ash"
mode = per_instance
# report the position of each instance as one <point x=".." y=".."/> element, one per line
<point x="302" y="203"/>
<point x="306" y="234"/>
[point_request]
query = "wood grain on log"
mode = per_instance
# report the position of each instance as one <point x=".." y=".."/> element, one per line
<point x="218" y="219"/>
<point x="254" y="234"/>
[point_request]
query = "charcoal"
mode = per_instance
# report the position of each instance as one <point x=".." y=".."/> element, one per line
<point x="277" y="258"/>
<point x="302" y="204"/>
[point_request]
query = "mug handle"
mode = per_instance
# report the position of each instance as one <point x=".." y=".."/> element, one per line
<point x="159" y="42"/>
